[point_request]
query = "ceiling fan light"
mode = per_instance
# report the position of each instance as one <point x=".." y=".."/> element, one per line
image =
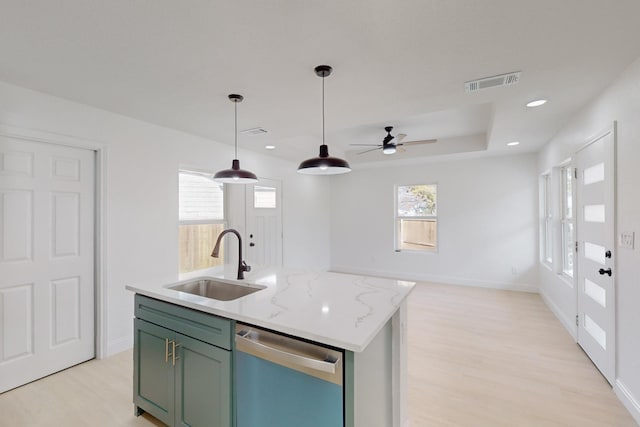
<point x="390" y="149"/>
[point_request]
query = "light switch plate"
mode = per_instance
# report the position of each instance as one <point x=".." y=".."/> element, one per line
<point x="626" y="239"/>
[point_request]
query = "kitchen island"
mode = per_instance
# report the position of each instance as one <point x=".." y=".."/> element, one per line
<point x="364" y="317"/>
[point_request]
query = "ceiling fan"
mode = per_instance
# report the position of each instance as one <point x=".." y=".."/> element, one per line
<point x="390" y="144"/>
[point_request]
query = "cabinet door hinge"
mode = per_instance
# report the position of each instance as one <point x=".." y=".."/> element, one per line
<point x="575" y="173"/>
<point x="576" y="246"/>
<point x="577" y="321"/>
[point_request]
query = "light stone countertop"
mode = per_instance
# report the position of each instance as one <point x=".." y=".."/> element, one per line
<point x="342" y="310"/>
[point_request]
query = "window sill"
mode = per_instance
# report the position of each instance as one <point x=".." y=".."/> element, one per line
<point x="206" y="270"/>
<point x="414" y="251"/>
<point x="566" y="279"/>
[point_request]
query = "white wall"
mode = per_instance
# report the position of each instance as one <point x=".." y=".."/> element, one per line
<point x="141" y="219"/>
<point x="620" y="102"/>
<point x="487" y="222"/>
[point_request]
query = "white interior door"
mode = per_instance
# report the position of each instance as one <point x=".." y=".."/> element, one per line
<point x="46" y="259"/>
<point x="264" y="222"/>
<point x="596" y="244"/>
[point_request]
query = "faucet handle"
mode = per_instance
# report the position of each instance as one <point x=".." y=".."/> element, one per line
<point x="246" y="267"/>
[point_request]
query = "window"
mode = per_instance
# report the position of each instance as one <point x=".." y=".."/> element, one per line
<point x="201" y="219"/>
<point x="264" y="197"/>
<point x="567" y="221"/>
<point x="547" y="223"/>
<point x="416" y="217"/>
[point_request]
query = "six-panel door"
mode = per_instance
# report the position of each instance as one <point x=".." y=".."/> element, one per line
<point x="46" y="259"/>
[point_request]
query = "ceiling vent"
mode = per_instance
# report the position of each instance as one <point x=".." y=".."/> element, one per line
<point x="494" y="81"/>
<point x="253" y="131"/>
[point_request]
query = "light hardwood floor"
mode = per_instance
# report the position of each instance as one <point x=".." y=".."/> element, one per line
<point x="485" y="357"/>
<point x="477" y="357"/>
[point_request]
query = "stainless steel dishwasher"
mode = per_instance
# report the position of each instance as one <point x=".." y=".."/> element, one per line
<point x="285" y="382"/>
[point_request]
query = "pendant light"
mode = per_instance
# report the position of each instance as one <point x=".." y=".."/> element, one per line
<point x="235" y="175"/>
<point x="324" y="164"/>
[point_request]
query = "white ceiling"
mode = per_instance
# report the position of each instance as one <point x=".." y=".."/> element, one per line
<point x="396" y="62"/>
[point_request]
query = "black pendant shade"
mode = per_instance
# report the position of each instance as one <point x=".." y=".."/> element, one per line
<point x="235" y="175"/>
<point x="324" y="164"/>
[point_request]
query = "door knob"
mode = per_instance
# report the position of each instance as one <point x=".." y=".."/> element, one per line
<point x="602" y="271"/>
<point x="607" y="254"/>
<point x="252" y="244"/>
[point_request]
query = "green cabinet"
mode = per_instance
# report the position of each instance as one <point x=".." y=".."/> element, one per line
<point x="203" y="385"/>
<point x="182" y="365"/>
<point x="153" y="382"/>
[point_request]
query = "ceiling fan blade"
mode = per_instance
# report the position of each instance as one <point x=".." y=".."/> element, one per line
<point x="400" y="137"/>
<point x="424" y="141"/>
<point x="400" y="148"/>
<point x="368" y="145"/>
<point x="366" y="151"/>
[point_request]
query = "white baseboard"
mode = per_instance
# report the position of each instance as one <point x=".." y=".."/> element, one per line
<point x="628" y="400"/>
<point x="449" y="280"/>
<point x="119" y="345"/>
<point x="568" y="323"/>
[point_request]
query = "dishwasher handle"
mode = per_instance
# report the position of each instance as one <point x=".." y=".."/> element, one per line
<point x="244" y="338"/>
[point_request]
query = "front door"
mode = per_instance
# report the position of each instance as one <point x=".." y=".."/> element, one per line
<point x="264" y="222"/>
<point x="46" y="259"/>
<point x="596" y="252"/>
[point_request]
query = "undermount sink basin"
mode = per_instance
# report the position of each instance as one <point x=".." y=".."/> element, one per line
<point x="213" y="289"/>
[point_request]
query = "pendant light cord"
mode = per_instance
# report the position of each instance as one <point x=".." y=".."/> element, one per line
<point x="323" y="111"/>
<point x="235" y="104"/>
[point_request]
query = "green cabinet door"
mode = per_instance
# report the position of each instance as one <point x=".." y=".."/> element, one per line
<point x="203" y="384"/>
<point x="153" y="380"/>
<point x="182" y="365"/>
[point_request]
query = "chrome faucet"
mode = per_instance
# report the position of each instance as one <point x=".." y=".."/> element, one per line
<point x="242" y="266"/>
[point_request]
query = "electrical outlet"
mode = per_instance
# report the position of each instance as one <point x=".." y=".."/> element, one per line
<point x="626" y="239"/>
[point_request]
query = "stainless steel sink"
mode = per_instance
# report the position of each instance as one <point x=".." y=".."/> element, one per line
<point x="213" y="289"/>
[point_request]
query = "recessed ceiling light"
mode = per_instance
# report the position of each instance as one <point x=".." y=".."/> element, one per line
<point x="536" y="103"/>
<point x="270" y="147"/>
<point x="513" y="143"/>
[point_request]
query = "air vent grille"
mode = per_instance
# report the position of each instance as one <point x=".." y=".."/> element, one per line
<point x="254" y="131"/>
<point x="493" y="81"/>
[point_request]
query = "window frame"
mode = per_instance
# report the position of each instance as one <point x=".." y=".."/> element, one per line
<point x="223" y="221"/>
<point x="397" y="218"/>
<point x="265" y="186"/>
<point x="546" y="220"/>
<point x="567" y="173"/>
